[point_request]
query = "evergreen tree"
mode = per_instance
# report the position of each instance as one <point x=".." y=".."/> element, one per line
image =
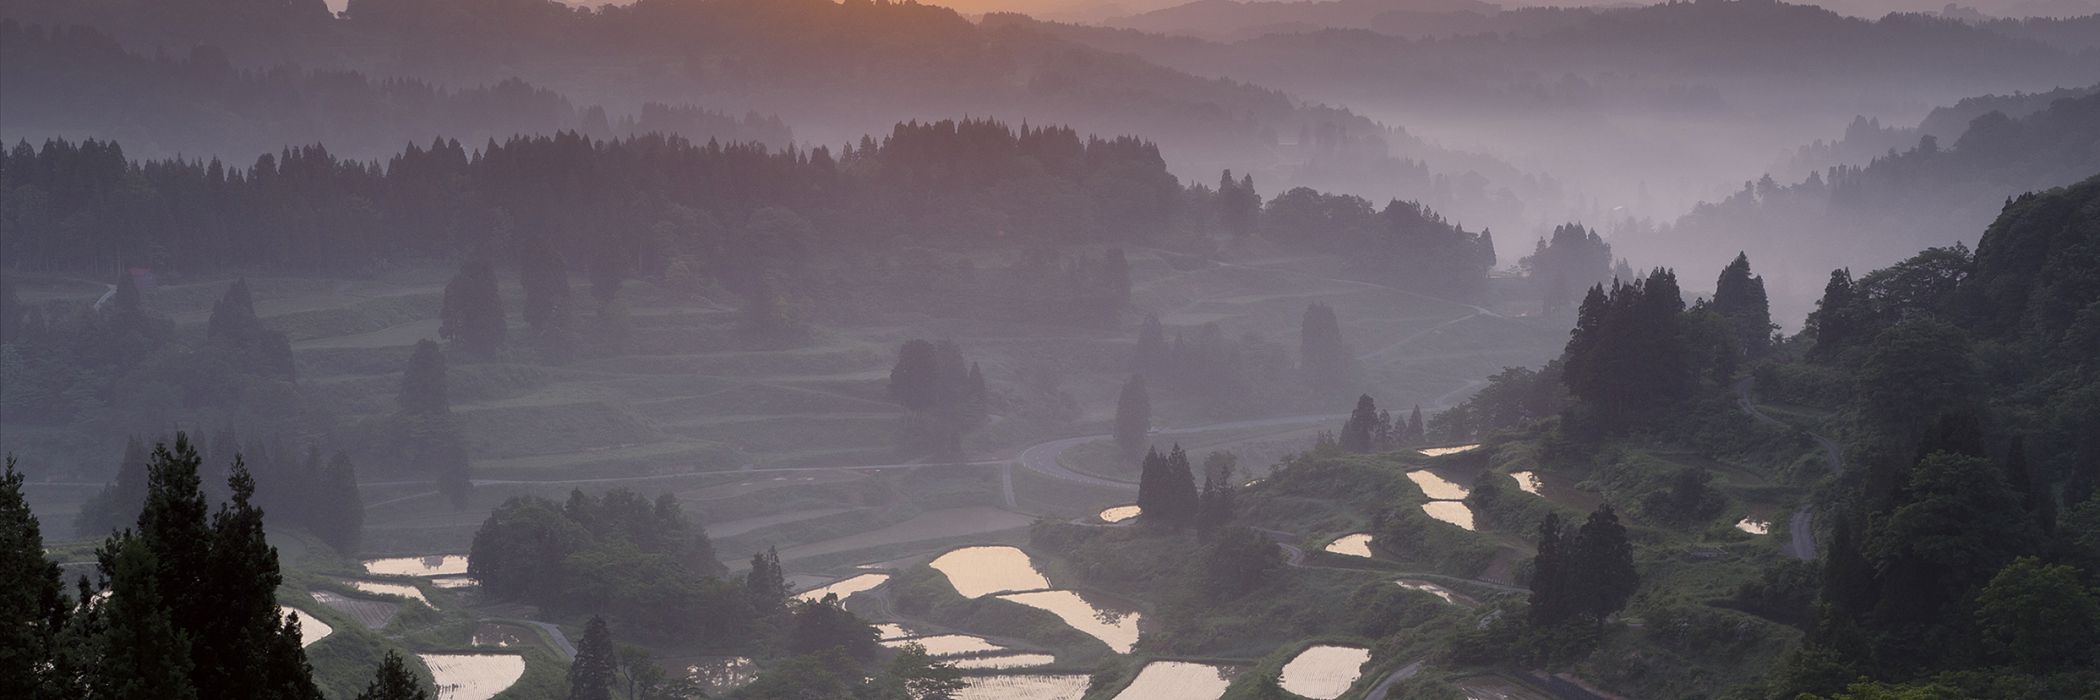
<point x="139" y="652"/>
<point x="591" y="675"/>
<point x="32" y="606"/>
<point x="1739" y="298"/>
<point x="235" y="329"/>
<point x="1552" y="590"/>
<point x="1833" y="323"/>
<point x="1603" y="558"/>
<point x="431" y="438"/>
<point x="394" y="681"/>
<point x="1324" y="358"/>
<point x="423" y="390"/>
<point x="549" y="310"/>
<point x="1214" y="506"/>
<point x="472" y="315"/>
<point x="1152" y="356"/>
<point x="1152" y="494"/>
<point x="117" y="504"/>
<point x="1417" y="432"/>
<point x="243" y="652"/>
<point x="766" y="584"/>
<point x="1133" y="416"/>
<point x="337" y="512"/>
<point x="1359" y="433"/>
<point x="1178" y="481"/>
<point x="915" y="379"/>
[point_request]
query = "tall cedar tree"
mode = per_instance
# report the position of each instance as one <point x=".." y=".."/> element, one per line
<point x="433" y="442"/>
<point x="1324" y="357"/>
<point x="1133" y="416"/>
<point x="914" y="380"/>
<point x="235" y="330"/>
<point x="766" y="584"/>
<point x="549" y="310"/>
<point x="472" y="315"/>
<point x="597" y="662"/>
<point x="32" y="606"/>
<point x="1605" y="578"/>
<point x="1167" y="489"/>
<point x="1417" y="432"/>
<point x="1626" y="358"/>
<point x="1552" y="594"/>
<point x="117" y="504"/>
<point x="1360" y="432"/>
<point x="1152" y="357"/>
<point x="336" y="513"/>
<point x="394" y="681"/>
<point x="1739" y="297"/>
<point x="1214" y="504"/>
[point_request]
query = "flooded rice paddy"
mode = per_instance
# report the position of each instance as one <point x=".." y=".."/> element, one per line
<point x="1005" y="661"/>
<point x="947" y="644"/>
<point x="889" y="630"/>
<point x="1430" y="588"/>
<point x="1436" y="487"/>
<point x="401" y="590"/>
<point x="976" y="572"/>
<point x="1119" y="514"/>
<point x="1178" y="680"/>
<point x="1754" y="526"/>
<point x="373" y="614"/>
<point x="723" y="673"/>
<point x="1529" y="482"/>
<point x="433" y="565"/>
<point x="844" y="588"/>
<point x="1117" y="629"/>
<point x="1025" y="686"/>
<point x="473" y="676"/>
<point x="1357" y="545"/>
<point x="1454" y="512"/>
<point x="454" y="582"/>
<point x="497" y="634"/>
<point x="1441" y="451"/>
<point x="1324" y="672"/>
<point x="311" y="629"/>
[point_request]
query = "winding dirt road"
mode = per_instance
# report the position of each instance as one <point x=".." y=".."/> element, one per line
<point x="1801" y="542"/>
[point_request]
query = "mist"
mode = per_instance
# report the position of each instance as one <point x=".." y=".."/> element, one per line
<point x="1049" y="349"/>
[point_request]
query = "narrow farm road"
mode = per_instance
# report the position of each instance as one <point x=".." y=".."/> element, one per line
<point x="1801" y="527"/>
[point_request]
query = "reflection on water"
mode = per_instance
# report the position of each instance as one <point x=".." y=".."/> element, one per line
<point x="454" y="582"/>
<point x="1529" y="482"/>
<point x="976" y="572"/>
<point x="1357" y="545"/>
<point x="723" y="673"/>
<point x="1755" y="527"/>
<point x="495" y="634"/>
<point x="393" y="589"/>
<point x="1178" y="680"/>
<point x="1441" y="451"/>
<point x="473" y="676"/>
<point x="1119" y="514"/>
<point x="889" y="630"/>
<point x="1324" y="672"/>
<point x="1024" y="686"/>
<point x="947" y="644"/>
<point x="433" y="565"/>
<point x="1437" y="487"/>
<point x="1454" y="512"/>
<point x="1430" y="588"/>
<point x="311" y="629"/>
<point x="845" y="587"/>
<point x="1119" y="630"/>
<point x="1006" y="661"/>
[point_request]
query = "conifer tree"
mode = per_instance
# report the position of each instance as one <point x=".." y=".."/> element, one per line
<point x="472" y="315"/>
<point x="117" y="504"/>
<point x="1551" y="588"/>
<point x="431" y="437"/>
<point x="915" y="379"/>
<point x="1133" y="416"/>
<point x="1605" y="578"/>
<point x="1178" y="486"/>
<point x="234" y="328"/>
<point x="766" y="584"/>
<point x="549" y="309"/>
<point x="337" y="512"/>
<point x="1833" y="323"/>
<point x="1359" y="433"/>
<point x="32" y="607"/>
<point x="1214" y="506"/>
<point x="1152" y="357"/>
<point x="394" y="681"/>
<point x="597" y="662"/>
<point x="1152" y="489"/>
<point x="138" y="651"/>
<point x="1417" y="432"/>
<point x="1739" y="297"/>
<point x="1324" y="358"/>
<point x="423" y="390"/>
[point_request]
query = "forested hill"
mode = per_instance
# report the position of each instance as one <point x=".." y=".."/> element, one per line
<point x="740" y="208"/>
<point x="833" y="71"/>
<point x="1935" y="193"/>
<point x="78" y="83"/>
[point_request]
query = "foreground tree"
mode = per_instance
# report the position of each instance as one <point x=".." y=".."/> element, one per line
<point x="591" y="675"/>
<point x="32" y="607"/>
<point x="393" y="681"/>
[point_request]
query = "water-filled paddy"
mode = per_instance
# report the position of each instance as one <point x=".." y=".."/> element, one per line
<point x="311" y="629"/>
<point x="1436" y="486"/>
<point x="1178" y="680"/>
<point x="1454" y="512"/>
<point x="497" y="634"/>
<point x="1324" y="672"/>
<point x="1357" y="545"/>
<point x="845" y="587"/>
<point x="947" y="644"/>
<point x="433" y="565"/>
<point x="1119" y="630"/>
<point x="1004" y="661"/>
<point x="1429" y="588"/>
<point x="393" y="589"/>
<point x="1119" y="514"/>
<point x="1529" y="482"/>
<point x="976" y="572"/>
<point x="890" y="630"/>
<point x="1441" y="451"/>
<point x="723" y="673"/>
<point x="1024" y="686"/>
<point x="473" y="676"/>
<point x="1754" y="526"/>
<point x="373" y="614"/>
<point x="454" y="582"/>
